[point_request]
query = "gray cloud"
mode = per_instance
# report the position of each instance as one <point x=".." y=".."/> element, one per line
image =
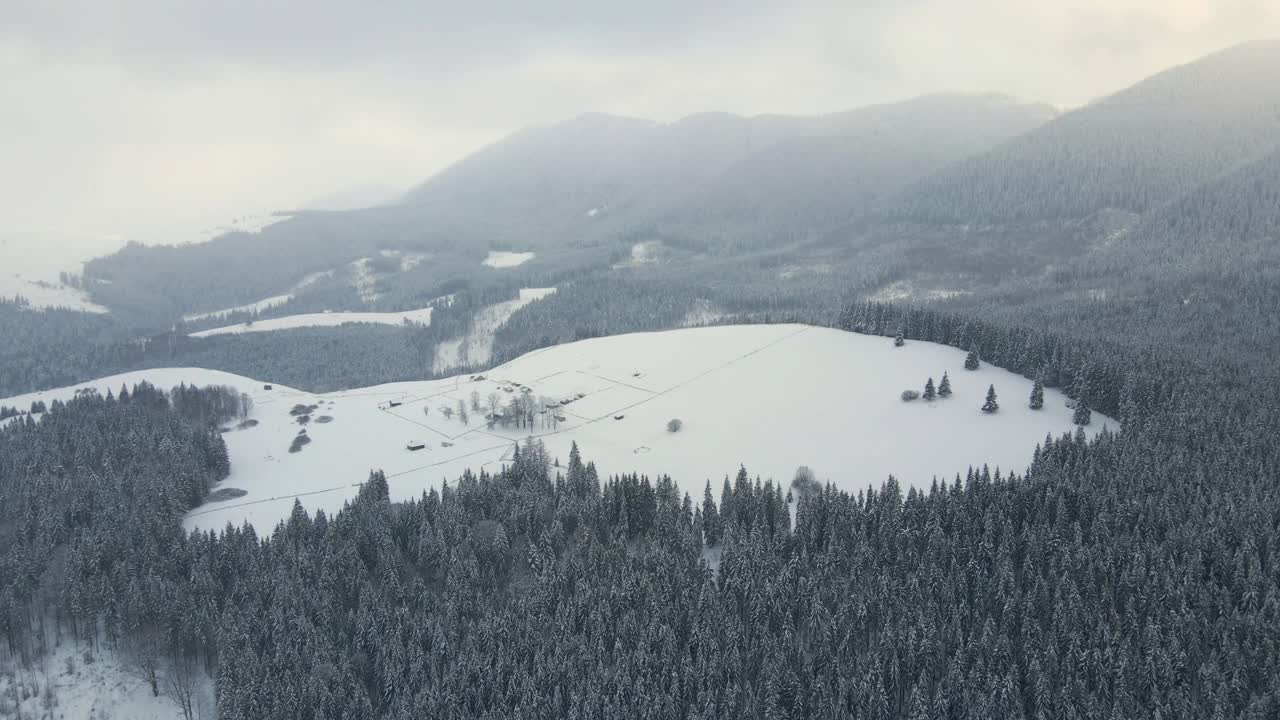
<point x="152" y="118"/>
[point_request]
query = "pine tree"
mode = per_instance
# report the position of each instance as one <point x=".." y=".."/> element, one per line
<point x="710" y="517"/>
<point x="930" y="393"/>
<point x="899" y="341"/>
<point x="991" y="405"/>
<point x="1037" y="395"/>
<point x="971" y="361"/>
<point x="1082" y="415"/>
<point x="944" y="388"/>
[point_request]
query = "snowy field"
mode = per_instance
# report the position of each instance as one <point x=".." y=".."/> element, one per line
<point x="327" y="319"/>
<point x="770" y="397"/>
<point x="33" y="261"/>
<point x="503" y="259"/>
<point x="476" y="347"/>
<point x="253" y="223"/>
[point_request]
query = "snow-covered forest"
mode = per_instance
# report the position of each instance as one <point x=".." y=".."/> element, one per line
<point x="948" y="407"/>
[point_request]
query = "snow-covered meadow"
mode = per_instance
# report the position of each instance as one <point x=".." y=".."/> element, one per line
<point x="325" y="319"/>
<point x="500" y="259"/>
<point x="33" y="262"/>
<point x="770" y="397"/>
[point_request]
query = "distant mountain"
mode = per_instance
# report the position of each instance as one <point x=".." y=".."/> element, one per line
<point x="591" y="176"/>
<point x="593" y="181"/>
<point x="1133" y="151"/>
<point x="943" y="196"/>
<point x="712" y="174"/>
<point x="846" y="164"/>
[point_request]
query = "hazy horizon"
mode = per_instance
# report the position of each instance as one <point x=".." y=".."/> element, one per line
<point x="145" y="123"/>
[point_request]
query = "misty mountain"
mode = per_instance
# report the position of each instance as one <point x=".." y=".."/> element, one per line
<point x="550" y="184"/>
<point x="1132" y="151"/>
<point x="711" y="175"/>
<point x="847" y="164"/>
<point x="593" y="180"/>
<point x="944" y="193"/>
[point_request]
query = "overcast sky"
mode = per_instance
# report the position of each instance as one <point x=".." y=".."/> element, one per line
<point x="152" y="119"/>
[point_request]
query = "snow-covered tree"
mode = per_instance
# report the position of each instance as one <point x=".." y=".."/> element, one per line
<point x="991" y="405"/>
<point x="1082" y="415"/>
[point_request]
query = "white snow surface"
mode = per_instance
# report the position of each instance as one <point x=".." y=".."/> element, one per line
<point x="252" y="223"/>
<point x="325" y="319"/>
<point x="99" y="690"/>
<point x="503" y="259"/>
<point x="770" y="397"/>
<point x="43" y="294"/>
<point x="31" y="262"/>
<point x="476" y="347"/>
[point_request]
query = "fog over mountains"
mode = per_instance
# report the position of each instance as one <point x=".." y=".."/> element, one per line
<point x="1143" y="204"/>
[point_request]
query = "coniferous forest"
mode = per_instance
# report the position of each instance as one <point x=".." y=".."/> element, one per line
<point x="1122" y="252"/>
<point x="1133" y="576"/>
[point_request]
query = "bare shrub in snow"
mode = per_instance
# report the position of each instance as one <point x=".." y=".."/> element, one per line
<point x="298" y="443"/>
<point x="909" y="395"/>
<point x="674" y="425"/>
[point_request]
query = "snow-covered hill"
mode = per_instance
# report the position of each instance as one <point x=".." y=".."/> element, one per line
<point x="770" y="397"/>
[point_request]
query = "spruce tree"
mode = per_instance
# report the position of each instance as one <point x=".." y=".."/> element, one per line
<point x="1037" y="395"/>
<point x="930" y="393"/>
<point x="1082" y="415"/>
<point x="710" y="518"/>
<point x="944" y="388"/>
<point x="971" y="361"/>
<point x="990" y="405"/>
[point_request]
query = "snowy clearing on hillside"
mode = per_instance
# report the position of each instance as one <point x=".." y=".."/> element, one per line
<point x="101" y="689"/>
<point x="34" y="261"/>
<point x="252" y="224"/>
<point x="905" y="290"/>
<point x="476" y="347"/>
<point x="770" y="397"/>
<point x="260" y="305"/>
<point x="642" y="254"/>
<point x="502" y="259"/>
<point x="702" y="313"/>
<point x="364" y="280"/>
<point x="42" y="294"/>
<point x="326" y="319"/>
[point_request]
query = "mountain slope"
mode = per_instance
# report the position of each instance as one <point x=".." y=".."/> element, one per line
<point x="1132" y="151"/>
<point x="850" y="162"/>
<point x="592" y="181"/>
<point x="712" y="174"/>
<point x="594" y="172"/>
